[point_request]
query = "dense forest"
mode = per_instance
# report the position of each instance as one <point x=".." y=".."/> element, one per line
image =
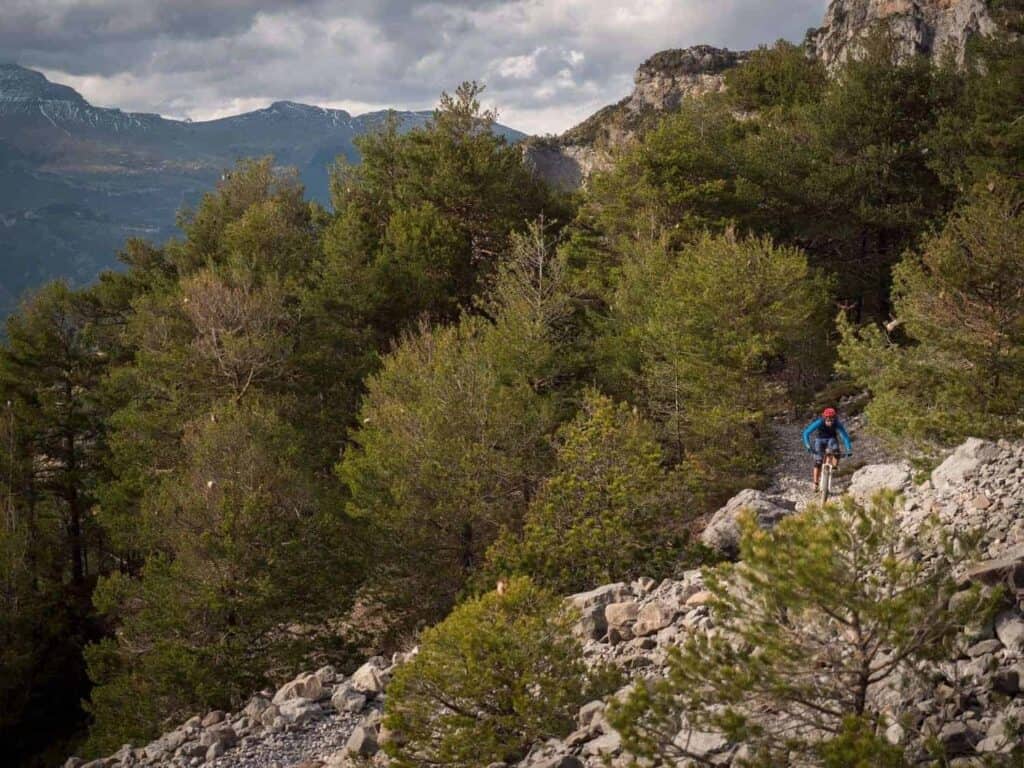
<point x="296" y="434"/>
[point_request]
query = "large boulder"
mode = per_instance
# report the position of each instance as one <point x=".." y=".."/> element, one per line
<point x="702" y="743"/>
<point x="963" y="463"/>
<point x="368" y="680"/>
<point x="601" y="596"/>
<point x="723" y="533"/>
<point x="347" y="699"/>
<point x="1010" y="630"/>
<point x="223" y="733"/>
<point x="300" y="711"/>
<point x="1007" y="569"/>
<point x="362" y="741"/>
<point x="592" y="624"/>
<point x="652" y="617"/>
<point x="619" y="615"/>
<point x="869" y="480"/>
<point x="326" y="675"/>
<point x="306" y="686"/>
<point x="257" y="706"/>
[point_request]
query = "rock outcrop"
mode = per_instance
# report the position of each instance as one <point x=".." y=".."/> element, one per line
<point x="660" y="85"/>
<point x="919" y="27"/>
<point x="722" y="532"/>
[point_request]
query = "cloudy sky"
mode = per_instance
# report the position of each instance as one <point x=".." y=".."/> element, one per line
<point x="547" y="63"/>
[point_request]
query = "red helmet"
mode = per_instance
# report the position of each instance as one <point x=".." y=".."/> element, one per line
<point x="829" y="413"/>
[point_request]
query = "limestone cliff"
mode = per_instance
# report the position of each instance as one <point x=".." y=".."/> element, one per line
<point x="925" y="27"/>
<point x="660" y="85"/>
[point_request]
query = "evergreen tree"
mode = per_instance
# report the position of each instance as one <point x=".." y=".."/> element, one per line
<point x="453" y="436"/>
<point x="820" y="615"/>
<point x="706" y="338"/>
<point x="981" y="133"/>
<point x="500" y="674"/>
<point x="608" y="512"/>
<point x="221" y="501"/>
<point x="245" y="541"/>
<point x="839" y="168"/>
<point x="959" y="370"/>
<point x="425" y="216"/>
<point x="213" y="316"/>
<point x="52" y="427"/>
<point x="50" y="369"/>
<point x="780" y="76"/>
<point x="847" y="177"/>
<point x="449" y="450"/>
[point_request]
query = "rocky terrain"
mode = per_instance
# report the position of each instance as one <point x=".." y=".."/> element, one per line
<point x="980" y="487"/>
<point x="325" y="719"/>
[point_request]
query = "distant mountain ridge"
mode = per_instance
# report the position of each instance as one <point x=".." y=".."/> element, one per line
<point x="77" y="180"/>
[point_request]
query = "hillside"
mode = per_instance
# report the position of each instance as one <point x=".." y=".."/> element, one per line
<point x="333" y="720"/>
<point x="293" y="438"/>
<point x="76" y="181"/>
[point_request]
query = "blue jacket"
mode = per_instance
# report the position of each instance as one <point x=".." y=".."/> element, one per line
<point x="824" y="431"/>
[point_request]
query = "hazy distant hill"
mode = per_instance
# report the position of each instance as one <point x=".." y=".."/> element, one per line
<point x="77" y="180"/>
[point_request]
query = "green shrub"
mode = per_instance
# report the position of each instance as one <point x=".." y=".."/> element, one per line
<point x="499" y="674"/>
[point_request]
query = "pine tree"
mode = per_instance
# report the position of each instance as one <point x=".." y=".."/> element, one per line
<point x="450" y="448"/>
<point x="608" y="511"/>
<point x="818" y="617"/>
<point x="50" y="370"/>
<point x="423" y="219"/>
<point x="708" y="336"/>
<point x="453" y="436"/>
<point x="959" y="369"/>
<point x="52" y="430"/>
<point x="245" y="540"/>
<point x="981" y="133"/>
<point x="780" y="76"/>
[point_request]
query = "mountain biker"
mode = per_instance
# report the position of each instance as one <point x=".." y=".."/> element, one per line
<point x="825" y="429"/>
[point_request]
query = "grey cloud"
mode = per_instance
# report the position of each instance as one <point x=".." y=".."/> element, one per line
<point x="196" y="56"/>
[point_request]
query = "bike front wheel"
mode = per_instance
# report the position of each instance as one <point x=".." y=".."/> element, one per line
<point x="825" y="486"/>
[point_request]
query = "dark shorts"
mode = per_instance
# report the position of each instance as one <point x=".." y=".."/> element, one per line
<point x="822" y="444"/>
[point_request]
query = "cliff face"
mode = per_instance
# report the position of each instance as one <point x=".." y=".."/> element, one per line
<point x="661" y="83"/>
<point x="920" y="27"/>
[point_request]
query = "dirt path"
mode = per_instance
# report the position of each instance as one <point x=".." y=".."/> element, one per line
<point x="791" y="475"/>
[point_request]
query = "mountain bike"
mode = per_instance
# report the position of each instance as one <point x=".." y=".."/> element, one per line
<point x="829" y="464"/>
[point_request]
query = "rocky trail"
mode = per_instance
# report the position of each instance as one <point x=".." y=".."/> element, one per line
<point x="791" y="475"/>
